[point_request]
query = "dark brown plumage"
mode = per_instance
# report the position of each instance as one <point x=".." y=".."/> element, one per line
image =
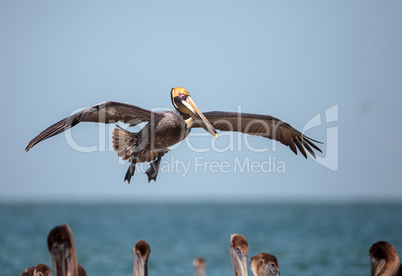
<point x="384" y="260"/>
<point x="28" y="271"/>
<point x="39" y="270"/>
<point x="107" y="112"/>
<point x="265" y="126"/>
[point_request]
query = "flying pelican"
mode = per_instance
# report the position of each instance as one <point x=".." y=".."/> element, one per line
<point x="238" y="254"/>
<point x="60" y="243"/>
<point x="264" y="264"/>
<point x="164" y="129"/>
<point x="384" y="260"/>
<point x="141" y="253"/>
<point x="39" y="270"/>
<point x="199" y="267"/>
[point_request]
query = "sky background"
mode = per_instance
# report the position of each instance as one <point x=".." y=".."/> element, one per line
<point x="290" y="59"/>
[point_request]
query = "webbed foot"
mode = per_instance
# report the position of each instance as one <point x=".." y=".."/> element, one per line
<point x="131" y="169"/>
<point x="153" y="169"/>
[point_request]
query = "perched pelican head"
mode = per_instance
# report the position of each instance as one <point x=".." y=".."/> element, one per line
<point x="238" y="254"/>
<point x="265" y="264"/>
<point x="141" y="252"/>
<point x="42" y="270"/>
<point x="39" y="270"/>
<point x="182" y="101"/>
<point x="60" y="243"/>
<point x="383" y="259"/>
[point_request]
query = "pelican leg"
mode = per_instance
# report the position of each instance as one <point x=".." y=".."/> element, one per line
<point x="131" y="169"/>
<point x="153" y="169"/>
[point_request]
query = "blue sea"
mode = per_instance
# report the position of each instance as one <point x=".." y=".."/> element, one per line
<point x="323" y="239"/>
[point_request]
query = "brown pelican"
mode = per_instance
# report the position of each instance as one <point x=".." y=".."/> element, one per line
<point x="264" y="264"/>
<point x="141" y="253"/>
<point x="164" y="129"/>
<point x="39" y="270"/>
<point x="238" y="254"/>
<point x="60" y="243"/>
<point x="384" y="260"/>
<point x="199" y="267"/>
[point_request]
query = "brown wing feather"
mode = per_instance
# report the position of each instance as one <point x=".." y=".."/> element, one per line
<point x="262" y="125"/>
<point x="106" y="112"/>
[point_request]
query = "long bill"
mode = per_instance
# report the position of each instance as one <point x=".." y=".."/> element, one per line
<point x="62" y="250"/>
<point x="140" y="267"/>
<point x="239" y="262"/>
<point x="197" y="116"/>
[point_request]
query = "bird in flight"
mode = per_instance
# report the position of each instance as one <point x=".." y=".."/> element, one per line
<point x="167" y="128"/>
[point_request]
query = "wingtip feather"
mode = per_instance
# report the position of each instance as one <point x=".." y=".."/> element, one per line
<point x="300" y="146"/>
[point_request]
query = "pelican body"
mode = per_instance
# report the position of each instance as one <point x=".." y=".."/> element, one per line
<point x="384" y="260"/>
<point x="265" y="264"/>
<point x="164" y="129"/>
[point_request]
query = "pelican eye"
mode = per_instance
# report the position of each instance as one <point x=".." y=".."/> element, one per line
<point x="181" y="95"/>
<point x="272" y="264"/>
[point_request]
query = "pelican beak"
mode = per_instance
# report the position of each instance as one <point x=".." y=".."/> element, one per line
<point x="239" y="262"/>
<point x="62" y="262"/>
<point x="270" y="270"/>
<point x="61" y="247"/>
<point x="140" y="265"/>
<point x="188" y="106"/>
<point x="376" y="266"/>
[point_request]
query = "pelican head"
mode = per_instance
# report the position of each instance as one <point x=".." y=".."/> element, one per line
<point x="141" y="252"/>
<point x="265" y="264"/>
<point x="41" y="270"/>
<point x="238" y="254"/>
<point x="383" y="259"/>
<point x="61" y="246"/>
<point x="182" y="101"/>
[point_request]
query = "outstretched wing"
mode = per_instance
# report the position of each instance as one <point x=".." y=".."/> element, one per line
<point x="106" y="112"/>
<point x="262" y="125"/>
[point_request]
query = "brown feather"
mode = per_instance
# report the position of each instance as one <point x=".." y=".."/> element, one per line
<point x="106" y="112"/>
<point x="125" y="143"/>
<point x="262" y="125"/>
<point x="308" y="148"/>
<point x="299" y="146"/>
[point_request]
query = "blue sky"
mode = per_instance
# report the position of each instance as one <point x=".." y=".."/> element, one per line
<point x="294" y="60"/>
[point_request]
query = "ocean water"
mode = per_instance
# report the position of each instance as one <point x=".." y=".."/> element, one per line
<point x="306" y="239"/>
